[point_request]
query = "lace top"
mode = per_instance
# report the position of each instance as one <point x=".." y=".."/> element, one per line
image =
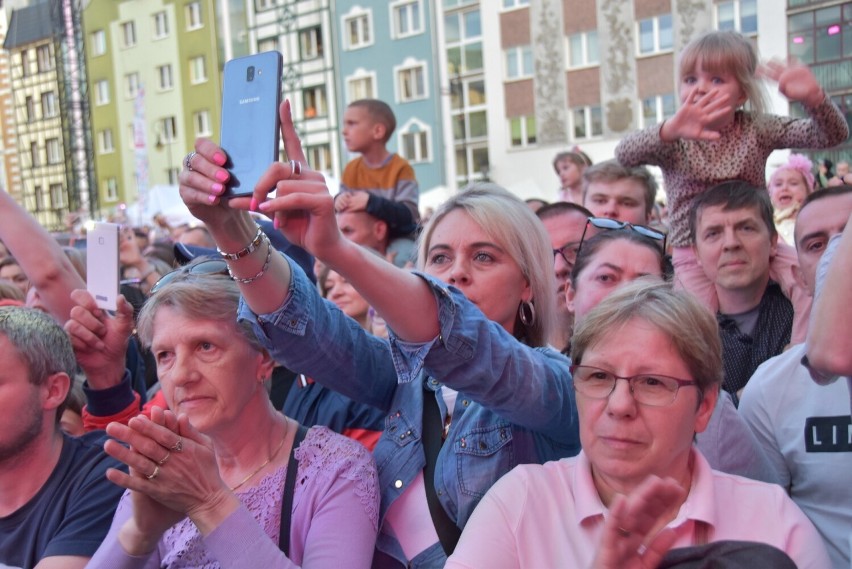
<point x="336" y="490"/>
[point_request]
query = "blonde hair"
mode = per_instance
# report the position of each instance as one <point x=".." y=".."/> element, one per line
<point x="515" y="228"/>
<point x="726" y="52"/>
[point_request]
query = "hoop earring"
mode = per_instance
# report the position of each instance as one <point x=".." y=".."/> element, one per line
<point x="526" y="312"/>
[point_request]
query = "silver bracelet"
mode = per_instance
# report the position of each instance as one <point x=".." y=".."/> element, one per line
<point x="247" y="250"/>
<point x="262" y="271"/>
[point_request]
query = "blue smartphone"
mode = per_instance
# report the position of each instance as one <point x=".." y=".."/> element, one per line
<point x="251" y="95"/>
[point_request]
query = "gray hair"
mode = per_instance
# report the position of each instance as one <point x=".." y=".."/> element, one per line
<point x="196" y="295"/>
<point x="691" y="328"/>
<point x="514" y="227"/>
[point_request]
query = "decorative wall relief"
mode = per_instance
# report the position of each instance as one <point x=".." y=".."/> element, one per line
<point x="551" y="101"/>
<point x="618" y="65"/>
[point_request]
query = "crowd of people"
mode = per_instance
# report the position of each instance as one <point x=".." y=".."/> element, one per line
<point x="309" y="380"/>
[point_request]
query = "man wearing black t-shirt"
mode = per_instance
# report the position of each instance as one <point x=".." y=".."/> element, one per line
<point x="56" y="504"/>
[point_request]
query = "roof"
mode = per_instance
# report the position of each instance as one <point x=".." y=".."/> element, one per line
<point x="29" y="25"/>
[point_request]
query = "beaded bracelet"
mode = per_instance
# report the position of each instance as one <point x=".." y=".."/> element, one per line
<point x="262" y="271"/>
<point x="248" y="249"/>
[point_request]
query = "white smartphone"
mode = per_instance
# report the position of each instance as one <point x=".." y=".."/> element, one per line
<point x="102" y="264"/>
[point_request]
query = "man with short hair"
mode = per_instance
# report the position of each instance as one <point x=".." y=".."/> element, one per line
<point x="364" y="229"/>
<point x="735" y="239"/>
<point x="804" y="428"/>
<point x="617" y="192"/>
<point x="564" y="223"/>
<point x="56" y="504"/>
<point x="12" y="272"/>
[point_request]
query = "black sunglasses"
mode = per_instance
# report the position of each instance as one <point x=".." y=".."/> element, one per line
<point x="607" y="223"/>
<point x="208" y="267"/>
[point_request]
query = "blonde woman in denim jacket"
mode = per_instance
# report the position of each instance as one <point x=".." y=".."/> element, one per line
<point x="468" y="331"/>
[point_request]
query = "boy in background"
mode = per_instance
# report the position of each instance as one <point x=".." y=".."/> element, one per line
<point x="378" y="182"/>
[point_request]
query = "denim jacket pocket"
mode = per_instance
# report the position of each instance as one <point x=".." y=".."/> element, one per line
<point x="483" y="455"/>
<point x="400" y="429"/>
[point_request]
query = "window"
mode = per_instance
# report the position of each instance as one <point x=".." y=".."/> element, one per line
<point x="464" y="42"/>
<point x="655" y="34"/>
<point x="411" y="82"/>
<point x="25" y="63"/>
<point x="131" y="85"/>
<point x="519" y="62"/>
<point x="260" y="5"/>
<point x="168" y="129"/>
<point x="583" y="49"/>
<point x="54" y="152"/>
<point x="110" y="190"/>
<point x="739" y="15"/>
<point x="57" y="196"/>
<point x="588" y="122"/>
<point x="267" y="44"/>
<point x="48" y="105"/>
<point x="522" y="131"/>
<point x="128" y="34"/>
<point x="101" y="92"/>
<point x="166" y="78"/>
<point x="161" y="25"/>
<point x="172" y="175"/>
<point x="97" y="41"/>
<point x="201" y="120"/>
<point x="197" y="70"/>
<point x="414" y="143"/>
<point x="44" y="55"/>
<point x="29" y="104"/>
<point x="361" y="87"/>
<point x="822" y="36"/>
<point x="35" y="157"/>
<point x="657" y="109"/>
<point x="193" y="16"/>
<point x="319" y="157"/>
<point x="310" y="43"/>
<point x="508" y="4"/>
<point x="314" y="102"/>
<point x="407" y="18"/>
<point x="105" y="143"/>
<point x="357" y="30"/>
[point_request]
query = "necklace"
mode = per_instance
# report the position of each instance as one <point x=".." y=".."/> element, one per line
<point x="267" y="461"/>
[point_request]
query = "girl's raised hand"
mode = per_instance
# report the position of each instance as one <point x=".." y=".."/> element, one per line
<point x="699" y="117"/>
<point x="795" y="81"/>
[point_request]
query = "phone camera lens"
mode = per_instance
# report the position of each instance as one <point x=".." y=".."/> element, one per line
<point x="250" y="73"/>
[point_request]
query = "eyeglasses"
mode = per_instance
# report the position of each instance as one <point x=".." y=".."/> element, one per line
<point x="607" y="223"/>
<point x="568" y="252"/>
<point x="208" y="267"/>
<point x="648" y="389"/>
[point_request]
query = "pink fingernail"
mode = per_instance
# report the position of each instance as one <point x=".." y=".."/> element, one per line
<point x="217" y="188"/>
<point x="264" y="206"/>
<point x="211" y="198"/>
<point x="219" y="158"/>
<point x="253" y="204"/>
<point x="221" y="175"/>
<point x="275" y="223"/>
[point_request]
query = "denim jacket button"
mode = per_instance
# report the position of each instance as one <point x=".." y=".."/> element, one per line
<point x="397" y="484"/>
<point x="465" y="402"/>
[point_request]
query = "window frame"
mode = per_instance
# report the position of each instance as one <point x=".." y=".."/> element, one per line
<point x="659" y="109"/>
<point x="320" y="96"/>
<point x="131" y="87"/>
<point x="520" y="53"/>
<point x="201" y="119"/>
<point x="161" y="25"/>
<point x="128" y="34"/>
<point x="53" y="151"/>
<point x="106" y="142"/>
<point x="194" y="17"/>
<point x="44" y="58"/>
<point x="657" y="48"/>
<point x="102" y="92"/>
<point x="195" y="67"/>
<point x="314" y="51"/>
<point x="110" y="186"/>
<point x="168" y="129"/>
<point x="403" y="75"/>
<point x="358" y="15"/>
<point x="98" y="43"/>
<point x="586" y="60"/>
<point x="49" y="105"/>
<point x="737" y="20"/>
<point x="588" y="122"/>
<point x="423" y="142"/>
<point x="319" y="156"/>
<point x="523" y="122"/>
<point x="57" y="195"/>
<point x="361" y="75"/>
<point x="395" y="9"/>
<point x="161" y="84"/>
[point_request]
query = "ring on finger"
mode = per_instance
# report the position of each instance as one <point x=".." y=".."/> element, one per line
<point x="295" y="169"/>
<point x="178" y="446"/>
<point x="187" y="161"/>
<point x="164" y="459"/>
<point x="153" y="474"/>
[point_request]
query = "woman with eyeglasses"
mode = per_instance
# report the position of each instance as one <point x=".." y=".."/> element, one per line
<point x="467" y="381"/>
<point x="647" y="370"/>
<point x="222" y="479"/>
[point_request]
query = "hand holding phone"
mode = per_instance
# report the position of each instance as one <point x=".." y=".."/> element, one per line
<point x="250" y="122"/>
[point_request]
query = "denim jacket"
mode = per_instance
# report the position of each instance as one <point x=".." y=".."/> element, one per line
<point x="515" y="403"/>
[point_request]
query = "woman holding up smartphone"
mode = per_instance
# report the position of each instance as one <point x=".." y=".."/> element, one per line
<point x="469" y="386"/>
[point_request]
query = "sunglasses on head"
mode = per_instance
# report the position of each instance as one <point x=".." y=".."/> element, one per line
<point x="608" y="223"/>
<point x="208" y="267"/>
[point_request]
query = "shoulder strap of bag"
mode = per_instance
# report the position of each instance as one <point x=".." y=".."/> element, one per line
<point x="433" y="428"/>
<point x="289" y="487"/>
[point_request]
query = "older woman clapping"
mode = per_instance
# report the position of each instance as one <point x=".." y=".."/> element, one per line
<point x="647" y="374"/>
<point x="207" y="481"/>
